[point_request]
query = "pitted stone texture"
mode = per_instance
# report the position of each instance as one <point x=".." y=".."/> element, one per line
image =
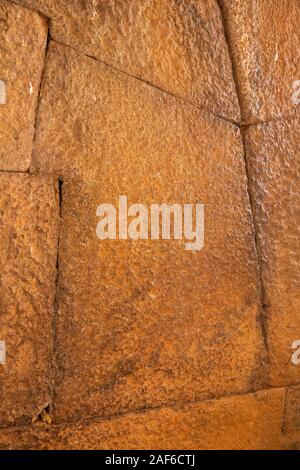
<point x="23" y="37"/>
<point x="178" y="46"/>
<point x="145" y="323"/>
<point x="274" y="167"/>
<point x="264" y="38"/>
<point x="241" y="422"/>
<point x="28" y="241"/>
<point x="293" y="443"/>
<point x="291" y="423"/>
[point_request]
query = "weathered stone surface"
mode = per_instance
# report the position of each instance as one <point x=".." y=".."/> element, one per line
<point x="178" y="46"/>
<point x="264" y="39"/>
<point x="293" y="443"/>
<point x="242" y="422"/>
<point x="274" y="167"/>
<point x="28" y="239"/>
<point x="144" y="323"/>
<point x="291" y="423"/>
<point x="23" y="37"/>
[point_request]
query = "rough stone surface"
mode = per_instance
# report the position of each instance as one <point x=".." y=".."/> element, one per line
<point x="28" y="241"/>
<point x="23" y="37"/>
<point x="292" y="443"/>
<point x="274" y="168"/>
<point x="144" y="323"/>
<point x="291" y="423"/>
<point x="242" y="422"/>
<point x="264" y="38"/>
<point x="178" y="46"/>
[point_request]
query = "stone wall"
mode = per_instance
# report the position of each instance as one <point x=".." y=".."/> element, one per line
<point x="141" y="344"/>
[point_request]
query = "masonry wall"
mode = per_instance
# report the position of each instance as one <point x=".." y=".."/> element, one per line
<point x="141" y="344"/>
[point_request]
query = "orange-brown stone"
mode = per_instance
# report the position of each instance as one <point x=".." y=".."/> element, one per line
<point x="274" y="168"/>
<point x="23" y="37"/>
<point x="241" y="422"/>
<point x="28" y="243"/>
<point x="177" y="46"/>
<point x="264" y="39"/>
<point x="144" y="323"/>
<point x="291" y="422"/>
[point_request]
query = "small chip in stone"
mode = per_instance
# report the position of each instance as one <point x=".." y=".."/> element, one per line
<point x="2" y="352"/>
<point x="2" y="92"/>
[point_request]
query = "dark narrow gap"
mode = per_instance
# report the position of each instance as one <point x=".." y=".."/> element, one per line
<point x="56" y="296"/>
<point x="111" y="66"/>
<point x="231" y="57"/>
<point x="146" y="82"/>
<point x="39" y="93"/>
<point x="262" y="317"/>
<point x="60" y="197"/>
<point x="88" y="419"/>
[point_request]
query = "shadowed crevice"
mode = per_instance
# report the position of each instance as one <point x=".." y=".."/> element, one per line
<point x="146" y="82"/>
<point x="87" y="420"/>
<point x="262" y="317"/>
<point x="39" y="93"/>
<point x="56" y="299"/>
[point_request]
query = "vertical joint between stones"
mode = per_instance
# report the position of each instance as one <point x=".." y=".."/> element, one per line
<point x="40" y="91"/>
<point x="262" y="318"/>
<point x="56" y="295"/>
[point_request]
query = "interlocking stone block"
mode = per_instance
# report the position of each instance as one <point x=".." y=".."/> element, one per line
<point x="28" y="242"/>
<point x="143" y="323"/>
<point x="23" y="37"/>
<point x="242" y="422"/>
<point x="178" y="46"/>
<point x="264" y="39"/>
<point x="274" y="168"/>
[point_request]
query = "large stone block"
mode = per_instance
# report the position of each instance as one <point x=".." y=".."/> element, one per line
<point x="264" y="38"/>
<point x="241" y="422"/>
<point x="178" y="46"/>
<point x="28" y="242"/>
<point x="274" y="169"/>
<point x="145" y="322"/>
<point x="23" y="38"/>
